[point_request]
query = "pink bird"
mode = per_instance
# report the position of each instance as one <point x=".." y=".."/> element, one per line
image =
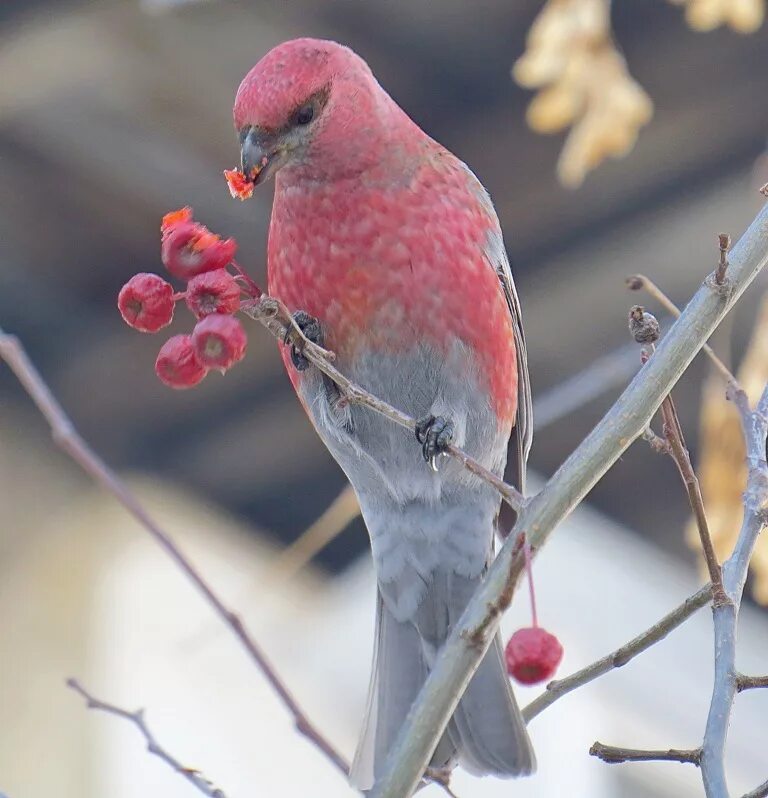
<point x="389" y="250"/>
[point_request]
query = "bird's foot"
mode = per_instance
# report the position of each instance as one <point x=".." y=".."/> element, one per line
<point x="311" y="329"/>
<point x="434" y="433"/>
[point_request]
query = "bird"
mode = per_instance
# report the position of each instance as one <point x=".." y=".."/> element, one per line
<point x="388" y="251"/>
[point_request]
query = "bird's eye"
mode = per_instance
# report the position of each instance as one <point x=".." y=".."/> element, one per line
<point x="305" y="114"/>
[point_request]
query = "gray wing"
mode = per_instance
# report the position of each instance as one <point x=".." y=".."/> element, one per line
<point x="522" y="433"/>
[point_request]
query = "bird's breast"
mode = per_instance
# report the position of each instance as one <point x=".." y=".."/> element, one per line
<point x="384" y="270"/>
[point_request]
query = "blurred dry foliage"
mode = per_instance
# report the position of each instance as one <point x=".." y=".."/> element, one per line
<point x="744" y="16"/>
<point x="722" y="466"/>
<point x="583" y="81"/>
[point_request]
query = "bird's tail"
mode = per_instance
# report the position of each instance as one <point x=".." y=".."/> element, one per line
<point x="486" y="733"/>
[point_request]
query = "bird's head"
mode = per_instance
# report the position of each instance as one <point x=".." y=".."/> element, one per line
<point x="311" y="106"/>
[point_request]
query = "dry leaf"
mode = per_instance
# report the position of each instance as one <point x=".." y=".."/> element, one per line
<point x="743" y="16"/>
<point x="583" y="82"/>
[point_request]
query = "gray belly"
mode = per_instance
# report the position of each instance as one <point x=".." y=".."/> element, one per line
<point x="419" y="521"/>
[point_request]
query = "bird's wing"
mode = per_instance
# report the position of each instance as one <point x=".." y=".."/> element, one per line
<point x="522" y="433"/>
<point x="496" y="253"/>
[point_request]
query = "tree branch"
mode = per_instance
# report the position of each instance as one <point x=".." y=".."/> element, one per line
<point x="750" y="682"/>
<point x="640" y="281"/>
<point x="624" y="422"/>
<point x="621" y="656"/>
<point x="276" y="317"/>
<point x="679" y="453"/>
<point x="192" y="775"/>
<point x="755" y="424"/>
<point x="65" y="436"/>
<point x="615" y="756"/>
<point x="759" y="792"/>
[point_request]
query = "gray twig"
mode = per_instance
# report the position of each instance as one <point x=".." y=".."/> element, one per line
<point x="192" y="775"/>
<point x="755" y="424"/>
<point x="761" y="791"/>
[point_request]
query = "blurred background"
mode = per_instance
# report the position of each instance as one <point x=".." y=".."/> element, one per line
<point x="114" y="112"/>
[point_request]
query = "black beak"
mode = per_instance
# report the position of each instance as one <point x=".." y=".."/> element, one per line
<point x="257" y="152"/>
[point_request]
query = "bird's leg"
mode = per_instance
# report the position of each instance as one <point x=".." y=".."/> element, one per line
<point x="434" y="433"/>
<point x="313" y="331"/>
<point x="310" y="326"/>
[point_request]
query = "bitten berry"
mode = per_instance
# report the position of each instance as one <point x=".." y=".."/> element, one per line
<point x="219" y="341"/>
<point x="177" y="364"/>
<point x="532" y="655"/>
<point x="189" y="248"/>
<point x="172" y="218"/>
<point x="213" y="292"/>
<point x="146" y="302"/>
<point x="240" y="186"/>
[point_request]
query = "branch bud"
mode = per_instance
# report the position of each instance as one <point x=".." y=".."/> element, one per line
<point x="643" y="327"/>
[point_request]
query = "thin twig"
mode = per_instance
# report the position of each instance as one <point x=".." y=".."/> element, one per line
<point x="750" y="682"/>
<point x="724" y="241"/>
<point x="624" y="422"/>
<point x="621" y="656"/>
<point x="640" y="281"/>
<point x="679" y="452"/>
<point x="65" y="436"/>
<point x="192" y="775"/>
<point x="725" y="685"/>
<point x="656" y="442"/>
<point x="645" y="329"/>
<point x="614" y="755"/>
<point x="276" y="317"/>
<point x="760" y="791"/>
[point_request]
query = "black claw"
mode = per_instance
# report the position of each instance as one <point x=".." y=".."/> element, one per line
<point x="310" y="326"/>
<point x="434" y="433"/>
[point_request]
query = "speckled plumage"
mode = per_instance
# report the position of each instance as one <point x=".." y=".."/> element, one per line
<point x="392" y="243"/>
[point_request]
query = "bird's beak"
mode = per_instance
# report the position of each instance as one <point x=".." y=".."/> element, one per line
<point x="260" y="155"/>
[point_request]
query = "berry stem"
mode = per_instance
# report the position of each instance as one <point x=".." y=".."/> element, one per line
<point x="529" y="574"/>
<point x="251" y="287"/>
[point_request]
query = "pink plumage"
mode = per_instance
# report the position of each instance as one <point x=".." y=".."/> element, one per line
<point x="392" y="244"/>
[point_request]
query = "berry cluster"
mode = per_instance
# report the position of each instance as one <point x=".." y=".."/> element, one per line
<point x="193" y="254"/>
<point x="532" y="654"/>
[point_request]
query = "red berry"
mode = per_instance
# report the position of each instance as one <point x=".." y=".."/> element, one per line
<point x="213" y="292"/>
<point x="189" y="248"/>
<point x="240" y="186"/>
<point x="219" y="341"/>
<point x="146" y="302"/>
<point x="172" y="218"/>
<point x="533" y="655"/>
<point x="177" y="363"/>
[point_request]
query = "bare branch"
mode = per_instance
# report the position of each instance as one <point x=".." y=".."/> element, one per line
<point x="65" y="435"/>
<point x="750" y="682"/>
<point x="640" y="281"/>
<point x="274" y="315"/>
<point x="762" y="790"/>
<point x="192" y="775"/>
<point x="724" y="689"/>
<point x="621" y="656"/>
<point x="625" y="421"/>
<point x="724" y="241"/>
<point x="679" y="452"/>
<point x="615" y="756"/>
